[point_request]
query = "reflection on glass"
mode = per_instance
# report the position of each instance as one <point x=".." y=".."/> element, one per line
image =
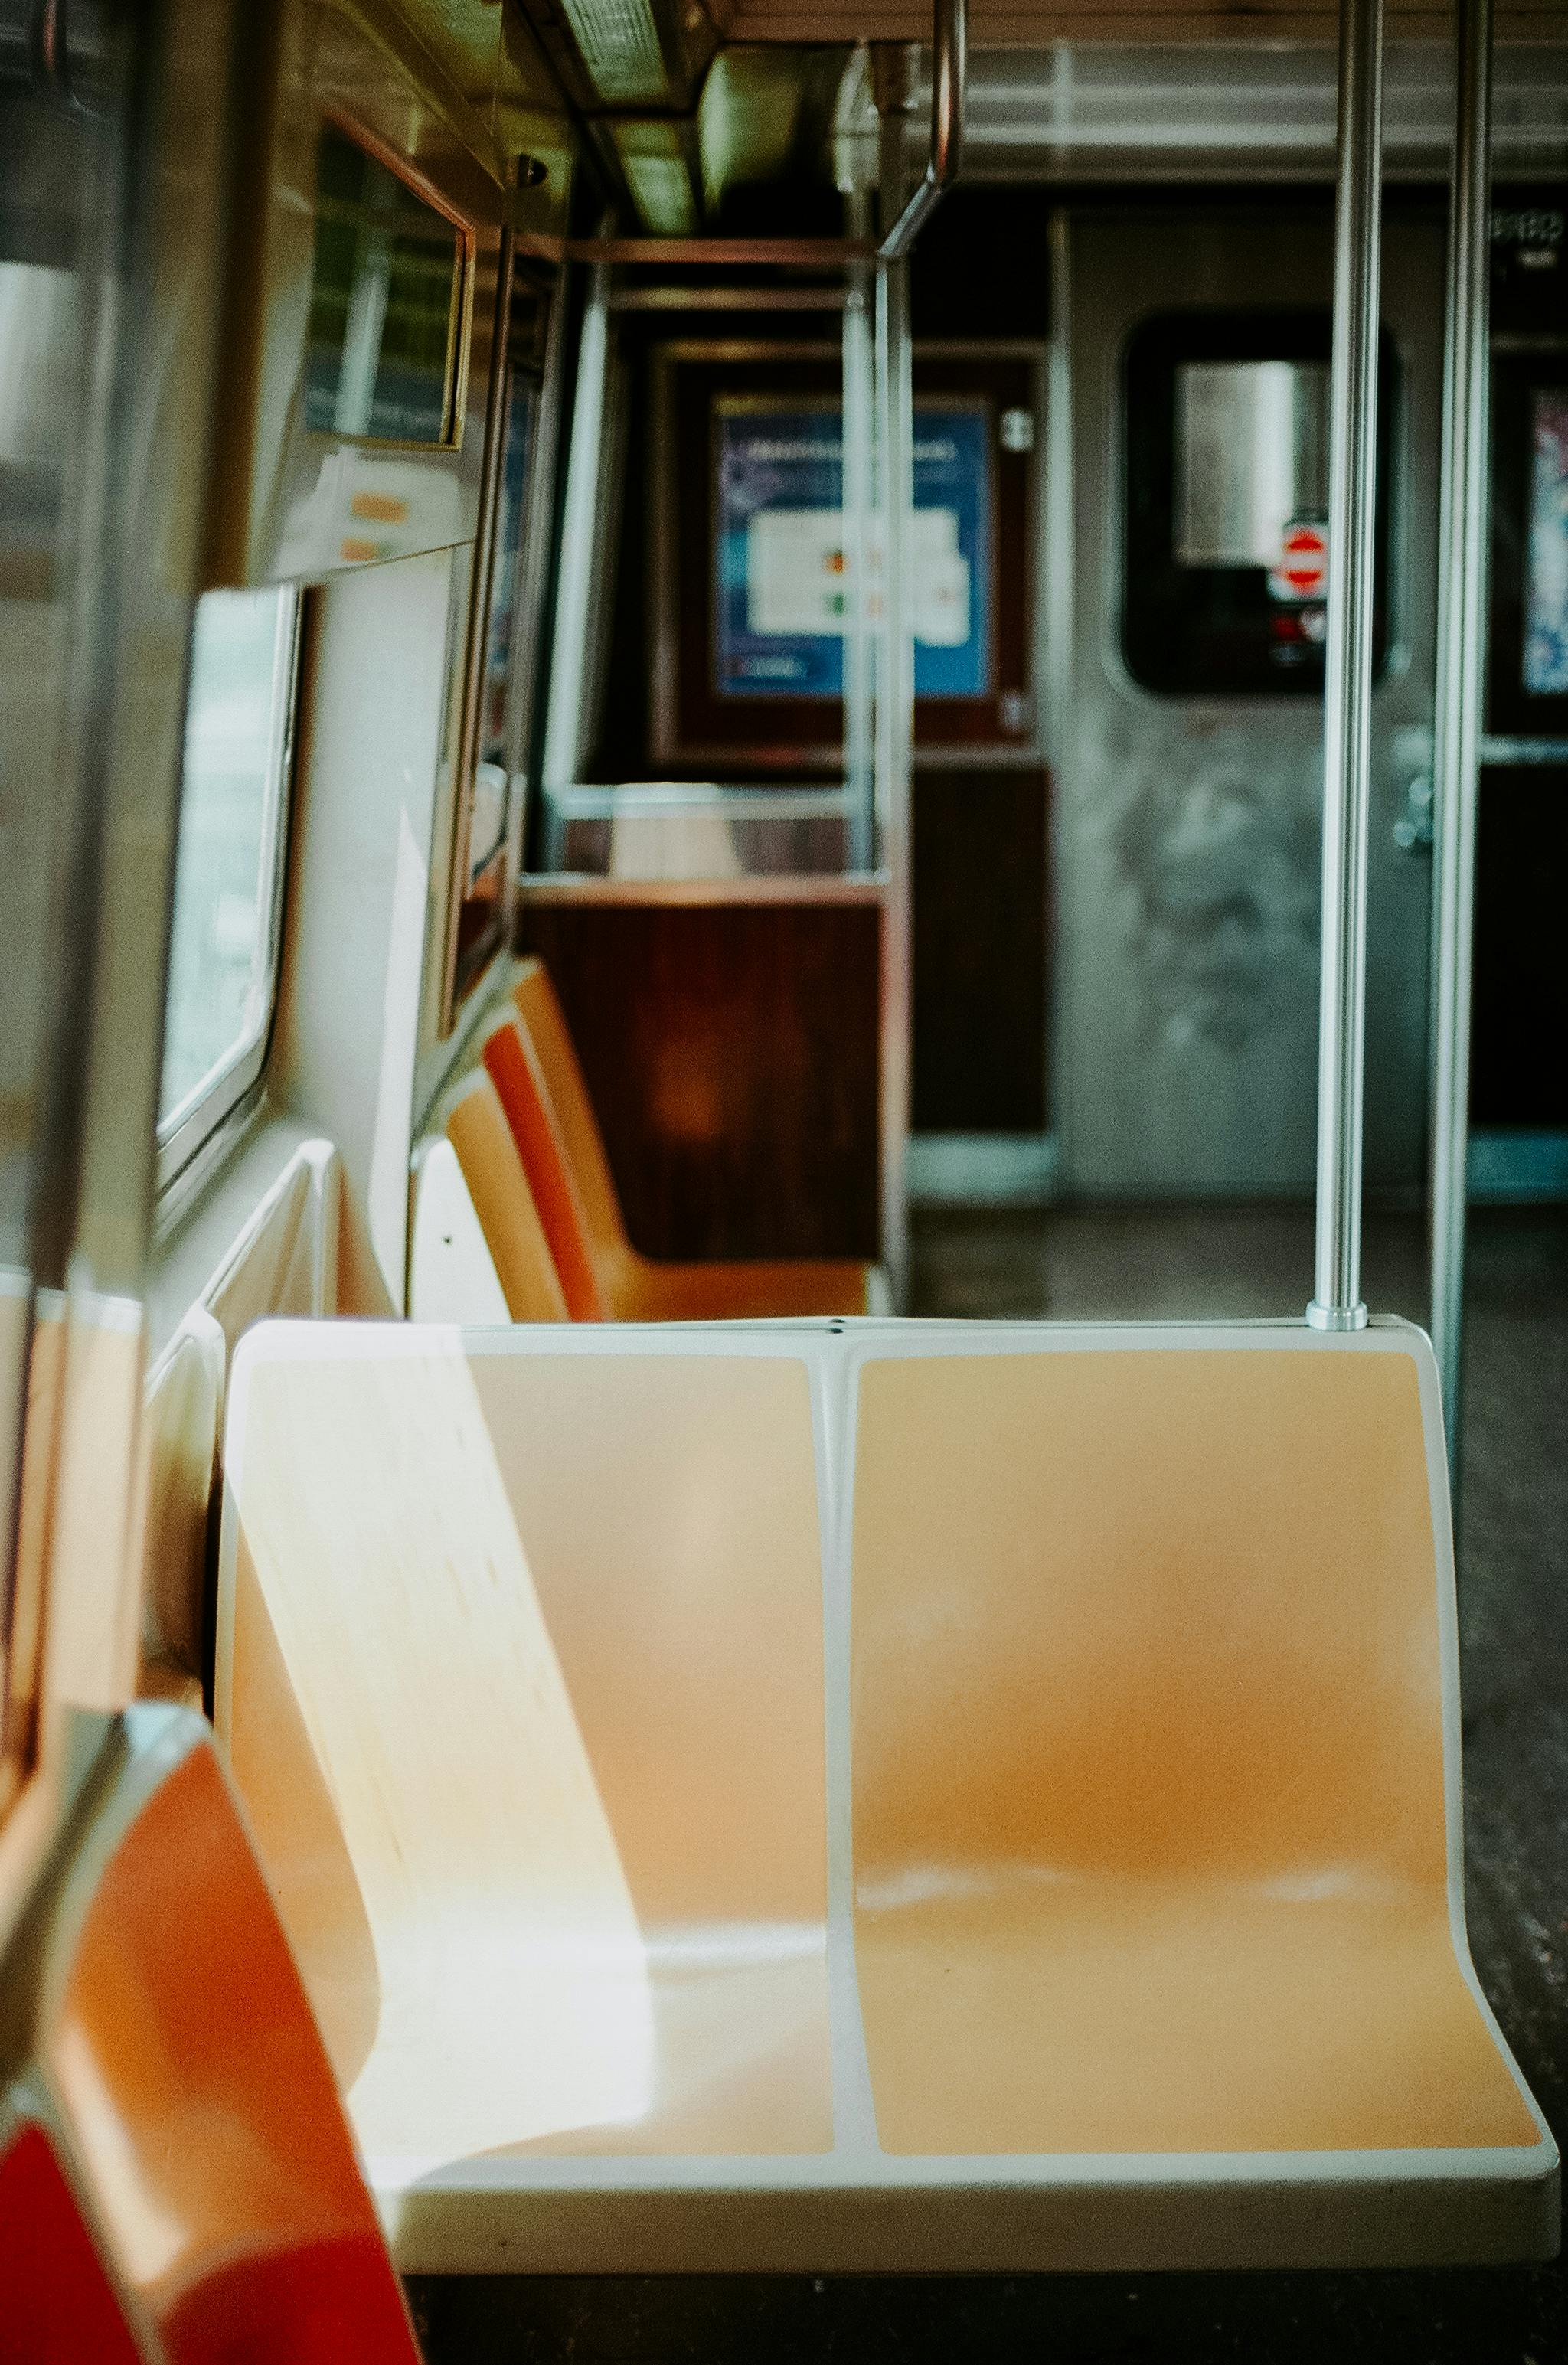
<point x="1546" y="606"/>
<point x="1251" y="456"/>
<point x="491" y="782"/>
<point x="40" y="369"/>
<point x="383" y="304"/>
<point x="220" y="955"/>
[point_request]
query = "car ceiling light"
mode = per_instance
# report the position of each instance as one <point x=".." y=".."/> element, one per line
<point x="621" y="50"/>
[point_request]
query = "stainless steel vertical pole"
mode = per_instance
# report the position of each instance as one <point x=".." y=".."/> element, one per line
<point x="859" y="445"/>
<point x="895" y="715"/>
<point x="1461" y="664"/>
<point x="1347" y="716"/>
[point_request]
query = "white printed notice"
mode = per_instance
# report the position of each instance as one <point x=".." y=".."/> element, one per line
<point x="798" y="575"/>
<point x="784" y="596"/>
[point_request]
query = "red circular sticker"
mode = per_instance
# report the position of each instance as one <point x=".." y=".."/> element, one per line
<point x="1301" y="571"/>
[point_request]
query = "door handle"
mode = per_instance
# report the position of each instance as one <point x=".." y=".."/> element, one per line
<point x="1413" y="827"/>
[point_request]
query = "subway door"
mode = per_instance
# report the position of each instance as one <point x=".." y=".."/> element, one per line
<point x="1187" y="565"/>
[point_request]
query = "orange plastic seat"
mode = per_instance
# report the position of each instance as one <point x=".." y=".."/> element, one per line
<point x="177" y="2097"/>
<point x="546" y="1100"/>
<point x="478" y="1251"/>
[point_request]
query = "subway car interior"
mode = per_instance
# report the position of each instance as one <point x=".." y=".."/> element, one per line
<point x="783" y="1180"/>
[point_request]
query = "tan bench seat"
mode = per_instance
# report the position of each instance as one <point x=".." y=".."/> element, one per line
<point x="874" y="1796"/>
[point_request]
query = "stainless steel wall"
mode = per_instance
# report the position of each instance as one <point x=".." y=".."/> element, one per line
<point x="1187" y="829"/>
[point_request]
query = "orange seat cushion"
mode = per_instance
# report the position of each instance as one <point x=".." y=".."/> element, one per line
<point x="202" y="2107"/>
<point x="514" y="1073"/>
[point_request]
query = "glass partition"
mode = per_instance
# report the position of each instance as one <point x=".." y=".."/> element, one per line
<point x="229" y="871"/>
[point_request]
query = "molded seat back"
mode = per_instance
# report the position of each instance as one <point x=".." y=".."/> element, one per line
<point x="184" y="2081"/>
<point x="475" y="1125"/>
<point x="912" y="1794"/>
<point x="577" y="1131"/>
<point x="552" y="1866"/>
<point x="1150" y="1758"/>
<point x="512" y="1066"/>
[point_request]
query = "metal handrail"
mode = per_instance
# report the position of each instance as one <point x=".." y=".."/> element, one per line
<point x="949" y="90"/>
<point x="1347" y="717"/>
<point x="1461" y="636"/>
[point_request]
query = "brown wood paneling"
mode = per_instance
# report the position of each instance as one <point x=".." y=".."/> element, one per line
<point x="980" y="952"/>
<point x="1519" y="1008"/>
<point x="732" y="1059"/>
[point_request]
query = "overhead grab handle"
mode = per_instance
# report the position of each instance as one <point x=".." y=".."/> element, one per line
<point x="949" y="46"/>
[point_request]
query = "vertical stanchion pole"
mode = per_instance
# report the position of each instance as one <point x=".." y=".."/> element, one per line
<point x="895" y="718"/>
<point x="859" y="440"/>
<point x="1347" y="716"/>
<point x="1460" y="662"/>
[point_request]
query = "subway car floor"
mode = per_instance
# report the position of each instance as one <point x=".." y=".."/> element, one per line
<point x="1513" y="1580"/>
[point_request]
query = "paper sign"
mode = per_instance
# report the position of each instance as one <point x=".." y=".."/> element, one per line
<point x="785" y="571"/>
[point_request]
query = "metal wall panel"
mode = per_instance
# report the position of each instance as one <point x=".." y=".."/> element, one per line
<point x="1187" y="834"/>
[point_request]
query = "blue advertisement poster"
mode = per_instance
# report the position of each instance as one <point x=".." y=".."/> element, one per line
<point x="1546" y="630"/>
<point x="782" y="584"/>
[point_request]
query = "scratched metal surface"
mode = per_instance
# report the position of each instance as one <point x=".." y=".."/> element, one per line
<point x="1187" y="830"/>
<point x="1514" y="1582"/>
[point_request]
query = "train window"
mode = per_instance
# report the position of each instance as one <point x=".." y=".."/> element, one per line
<point x="228" y="873"/>
<point x="1546" y="621"/>
<point x="502" y="652"/>
<point x="1251" y="458"/>
<point x="385" y="304"/>
<point x="1226" y="554"/>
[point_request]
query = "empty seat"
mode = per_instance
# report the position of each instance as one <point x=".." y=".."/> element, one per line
<point x="552" y="1116"/>
<point x="874" y="1797"/>
<point x="1149" y="1835"/>
<point x="478" y="1250"/>
<point x="164" y="2057"/>
<point x="554" y="1870"/>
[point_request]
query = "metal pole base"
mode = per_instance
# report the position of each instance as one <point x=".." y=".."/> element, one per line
<point x="1336" y="1318"/>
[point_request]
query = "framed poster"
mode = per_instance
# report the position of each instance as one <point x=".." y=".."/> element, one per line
<point x="750" y="595"/>
<point x="784" y="593"/>
<point x="1527" y="690"/>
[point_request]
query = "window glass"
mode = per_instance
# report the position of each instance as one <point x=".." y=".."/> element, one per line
<point x="492" y="779"/>
<point x="1226" y="552"/>
<point x="223" y="952"/>
<point x="385" y="289"/>
<point x="1252" y="458"/>
<point x="1546" y="628"/>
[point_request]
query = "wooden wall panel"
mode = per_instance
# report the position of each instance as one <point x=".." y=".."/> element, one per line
<point x="1519" y="1009"/>
<point x="732" y="1058"/>
<point x="980" y="952"/>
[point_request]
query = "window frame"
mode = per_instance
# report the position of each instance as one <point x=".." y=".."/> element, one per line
<point x="192" y="1122"/>
<point x="534" y="359"/>
<point x="1192" y="635"/>
<point x="406" y="172"/>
